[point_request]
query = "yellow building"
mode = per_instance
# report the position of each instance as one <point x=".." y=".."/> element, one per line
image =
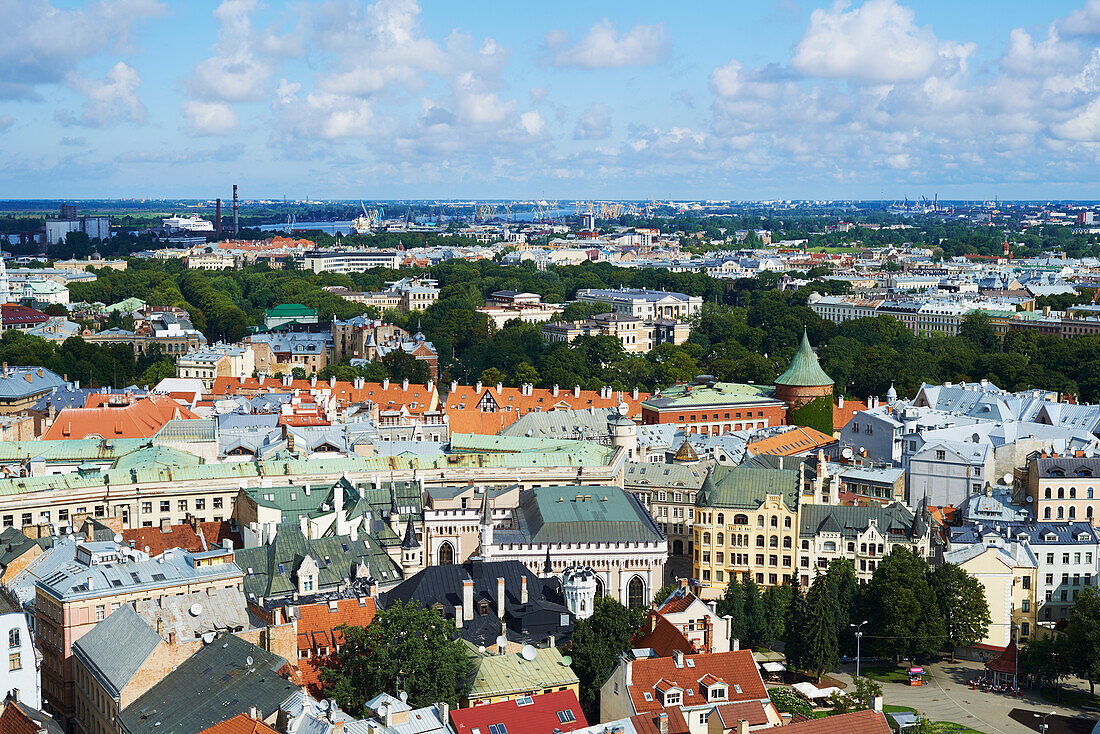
<point x="745" y="526"/>
<point x="1008" y="573"/>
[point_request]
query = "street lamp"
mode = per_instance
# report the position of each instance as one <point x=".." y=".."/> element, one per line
<point x="1043" y="726"/>
<point x="859" y="634"/>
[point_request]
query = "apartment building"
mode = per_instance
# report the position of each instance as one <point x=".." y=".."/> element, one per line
<point x="19" y="673"/>
<point x="102" y="577"/>
<point x="331" y="261"/>
<point x="637" y="335"/>
<point x="862" y="535"/>
<point x="219" y="360"/>
<point x="642" y="303"/>
<point x="1007" y="571"/>
<point x="715" y="408"/>
<point x="1060" y="488"/>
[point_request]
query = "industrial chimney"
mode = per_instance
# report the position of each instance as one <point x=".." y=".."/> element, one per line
<point x="236" y="226"/>
<point x="218" y="219"/>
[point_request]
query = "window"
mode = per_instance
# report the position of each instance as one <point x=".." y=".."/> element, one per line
<point x="217" y="503"/>
<point x="524" y="701"/>
<point x="200" y="504"/>
<point x="940" y="454"/>
<point x="497" y="729"/>
<point x="1025" y="606"/>
<point x="100" y="612"/>
<point x="165" y="506"/>
<point x="183" y="505"/>
<point x="13" y="637"/>
<point x="15" y="661"/>
<point x="566" y="716"/>
<point x="147" y="507"/>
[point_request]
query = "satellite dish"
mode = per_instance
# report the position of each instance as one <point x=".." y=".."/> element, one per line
<point x="528" y="652"/>
<point x="1029" y="499"/>
<point x="248" y="660"/>
<point x="207" y="637"/>
<point x="118" y="538"/>
<point x="196" y="609"/>
<point x="622" y="408"/>
<point x="566" y="660"/>
<point x="1007" y="479"/>
<point x="502" y="641"/>
<point x="846" y="453"/>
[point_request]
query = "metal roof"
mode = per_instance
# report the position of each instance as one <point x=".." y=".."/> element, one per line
<point x="501" y="674"/>
<point x="804" y="369"/>
<point x="575" y="514"/>
<point x="116" y="648"/>
<point x="746" y="487"/>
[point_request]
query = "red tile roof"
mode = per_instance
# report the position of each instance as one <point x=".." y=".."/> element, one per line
<point x="735" y="668"/>
<point x="14" y="721"/>
<point x="14" y="314"/>
<point x="538" y="717"/>
<point x="240" y="724"/>
<point x="863" y="722"/>
<point x="662" y="636"/>
<point x="140" y="419"/>
<point x="649" y="723"/>
<point x="317" y="627"/>
<point x="512" y="404"/>
<point x="679" y="600"/>
<point x="416" y="398"/>
<point x="791" y="443"/>
<point x="841" y="416"/>
<point x="750" y="711"/>
<point x="183" y="536"/>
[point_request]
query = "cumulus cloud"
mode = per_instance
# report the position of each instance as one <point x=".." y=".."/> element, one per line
<point x="1083" y="126"/>
<point x="44" y="43"/>
<point x="594" y="123"/>
<point x="1084" y="21"/>
<point x="877" y="42"/>
<point x="210" y="118"/>
<point x="110" y="100"/>
<point x="603" y="47"/>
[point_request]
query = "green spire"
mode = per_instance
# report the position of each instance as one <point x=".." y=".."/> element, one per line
<point x="805" y="371"/>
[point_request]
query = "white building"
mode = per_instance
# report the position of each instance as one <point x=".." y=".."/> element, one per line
<point x="350" y="262"/>
<point x="643" y="303"/>
<point x="19" y="674"/>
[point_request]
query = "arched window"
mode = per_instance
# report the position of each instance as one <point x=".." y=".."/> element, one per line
<point x="706" y="538"/>
<point x="787" y="541"/>
<point x="13" y="637"/>
<point x="805" y="545"/>
<point x="773" y="541"/>
<point x="862" y="547"/>
<point x="1088" y="512"/>
<point x="446" y="554"/>
<point x="759" y="521"/>
<point x="599" y="587"/>
<point x="1061" y="512"/>
<point x="1046" y="513"/>
<point x="740" y="519"/>
<point x="721" y="519"/>
<point x="775" y="521"/>
<point x="1072" y="513"/>
<point x="721" y="539"/>
<point x="851" y="547"/>
<point x="635" y="593"/>
<point x="759" y="541"/>
<point x="787" y="522"/>
<point x="1088" y="493"/>
<point x="1046" y="494"/>
<point x="1061" y="493"/>
<point x="1073" y="493"/>
<point x="829" y="547"/>
<point x="677" y="547"/>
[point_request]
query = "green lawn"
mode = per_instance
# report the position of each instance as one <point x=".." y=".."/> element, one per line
<point x="1070" y="697"/>
<point x="946" y="727"/>
<point x="885" y="673"/>
<point x="898" y="709"/>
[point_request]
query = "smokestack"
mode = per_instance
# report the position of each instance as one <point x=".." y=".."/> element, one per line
<point x="218" y="219"/>
<point x="236" y="226"/>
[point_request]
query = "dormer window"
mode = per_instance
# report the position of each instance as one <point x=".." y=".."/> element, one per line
<point x="483" y="607"/>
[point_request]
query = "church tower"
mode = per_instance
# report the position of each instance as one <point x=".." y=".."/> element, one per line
<point x="807" y="390"/>
<point x="411" y="552"/>
<point x="485" y="528"/>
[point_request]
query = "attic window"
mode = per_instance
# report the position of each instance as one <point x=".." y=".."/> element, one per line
<point x="483" y="607"/>
<point x="567" y="716"/>
<point x="690" y="663"/>
<point x="524" y="701"/>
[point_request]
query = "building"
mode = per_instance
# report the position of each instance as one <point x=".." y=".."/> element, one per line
<point x="23" y="318"/>
<point x="172" y="333"/>
<point x="19" y="718"/>
<point x="696" y="620"/>
<point x="694" y="683"/>
<point x="947" y="472"/>
<point x="332" y="261"/>
<point x="600" y="527"/>
<point x="745" y="526"/>
<point x="317" y="627"/>
<point x="21" y="387"/>
<point x="1008" y="575"/>
<point x="636" y="335"/>
<point x="45" y="292"/>
<point x="210" y="261"/>
<point x="120" y="417"/>
<point x="1060" y="487"/>
<point x="863" y="535"/>
<point x="503" y="306"/>
<point x="102" y="577"/>
<point x="289" y="314"/>
<point x="487" y="409"/>
<point x="715" y="408"/>
<point x="542" y="713"/>
<point x="220" y="681"/>
<point x="807" y="390"/>
<point x="497" y="598"/>
<point x="642" y="303"/>
<point x="219" y="360"/>
<point x="19" y="679"/>
<point x="283" y="351"/>
<point x="57" y="229"/>
<point x="495" y="677"/>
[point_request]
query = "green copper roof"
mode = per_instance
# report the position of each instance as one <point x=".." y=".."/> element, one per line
<point x="745" y="487"/>
<point x="804" y="370"/>
<point x="497" y="675"/>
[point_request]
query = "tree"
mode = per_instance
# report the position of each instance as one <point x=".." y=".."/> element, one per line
<point x="405" y="648"/>
<point x="820" y="652"/>
<point x="1083" y="633"/>
<point x="757" y="632"/>
<point x="158" y="371"/>
<point x="977" y="328"/>
<point x="1046" y="660"/>
<point x="776" y="600"/>
<point x="866" y="689"/>
<point x="901" y="605"/>
<point x="844" y="586"/>
<point x="599" y="640"/>
<point x="401" y="365"/>
<point x="663" y="593"/>
<point x="732" y="604"/>
<point x="962" y="604"/>
<point x="795" y="622"/>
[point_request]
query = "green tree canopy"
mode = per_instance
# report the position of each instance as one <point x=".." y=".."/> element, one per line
<point x="599" y="640"/>
<point x="1083" y="634"/>
<point x="962" y="604"/>
<point x="820" y="651"/>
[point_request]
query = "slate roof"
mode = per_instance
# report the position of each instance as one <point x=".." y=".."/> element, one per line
<point x="849" y="520"/>
<point x="13" y="544"/>
<point x="271" y="570"/>
<point x="116" y="648"/>
<point x="19" y="382"/>
<point x="215" y="684"/>
<point x="746" y="487"/>
<point x="804" y="370"/>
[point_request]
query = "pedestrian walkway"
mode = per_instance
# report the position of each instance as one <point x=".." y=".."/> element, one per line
<point x="947" y="697"/>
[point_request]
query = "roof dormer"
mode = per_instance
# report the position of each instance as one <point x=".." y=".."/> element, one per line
<point x="668" y="693"/>
<point x="713" y="689"/>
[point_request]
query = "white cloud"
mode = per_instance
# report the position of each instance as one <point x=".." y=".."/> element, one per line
<point x="1026" y="57"/>
<point x="594" y="123"/>
<point x="877" y="42"/>
<point x="1082" y="127"/>
<point x="532" y="123"/>
<point x="44" y="43"/>
<point x="111" y="100"/>
<point x="603" y="47"/>
<point x="1084" y="21"/>
<point x="210" y="118"/>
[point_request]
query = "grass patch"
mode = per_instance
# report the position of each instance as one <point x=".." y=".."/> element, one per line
<point x="898" y="709"/>
<point x="885" y="673"/>
<point x="1070" y="697"/>
<point x="947" y="727"/>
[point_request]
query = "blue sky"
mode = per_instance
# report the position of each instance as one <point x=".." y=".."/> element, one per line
<point x="443" y="99"/>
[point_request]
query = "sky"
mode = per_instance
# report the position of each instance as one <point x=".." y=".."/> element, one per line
<point x="398" y="99"/>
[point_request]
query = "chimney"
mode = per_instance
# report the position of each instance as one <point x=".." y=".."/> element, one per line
<point x="708" y="635"/>
<point x="236" y="227"/>
<point x="742" y="726"/>
<point x="405" y="384"/>
<point x="678" y="658"/>
<point x="500" y="598"/>
<point x="385" y="383"/>
<point x="171" y="638"/>
<point x="458" y="616"/>
<point x="253" y="712"/>
<point x="634" y="394"/>
<point x="332" y="382"/>
<point x="840" y="402"/>
<point x="523" y="590"/>
<point x="735" y="644"/>
<point x="468" y="599"/>
<point x="477" y="387"/>
<point x="313" y="380"/>
<point x="554" y="391"/>
<point x="218" y="219"/>
<point x="165" y="525"/>
<point x="454" y="385"/>
<point x="662" y="723"/>
<point x="576" y="391"/>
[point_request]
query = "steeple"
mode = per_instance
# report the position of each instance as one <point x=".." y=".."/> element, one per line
<point x="547" y="568"/>
<point x="804" y="370"/>
<point x="410" y="540"/>
<point x="486" y="527"/>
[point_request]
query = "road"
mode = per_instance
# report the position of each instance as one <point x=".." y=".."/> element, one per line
<point x="947" y="697"/>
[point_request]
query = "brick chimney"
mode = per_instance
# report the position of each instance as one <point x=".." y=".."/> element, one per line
<point x="500" y="598"/>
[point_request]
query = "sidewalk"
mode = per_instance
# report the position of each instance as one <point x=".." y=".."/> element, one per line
<point x="946" y="697"/>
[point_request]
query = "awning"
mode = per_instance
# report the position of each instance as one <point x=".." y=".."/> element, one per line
<point x="773" y="667"/>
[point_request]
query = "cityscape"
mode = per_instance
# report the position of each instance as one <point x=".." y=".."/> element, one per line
<point x="384" y="367"/>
